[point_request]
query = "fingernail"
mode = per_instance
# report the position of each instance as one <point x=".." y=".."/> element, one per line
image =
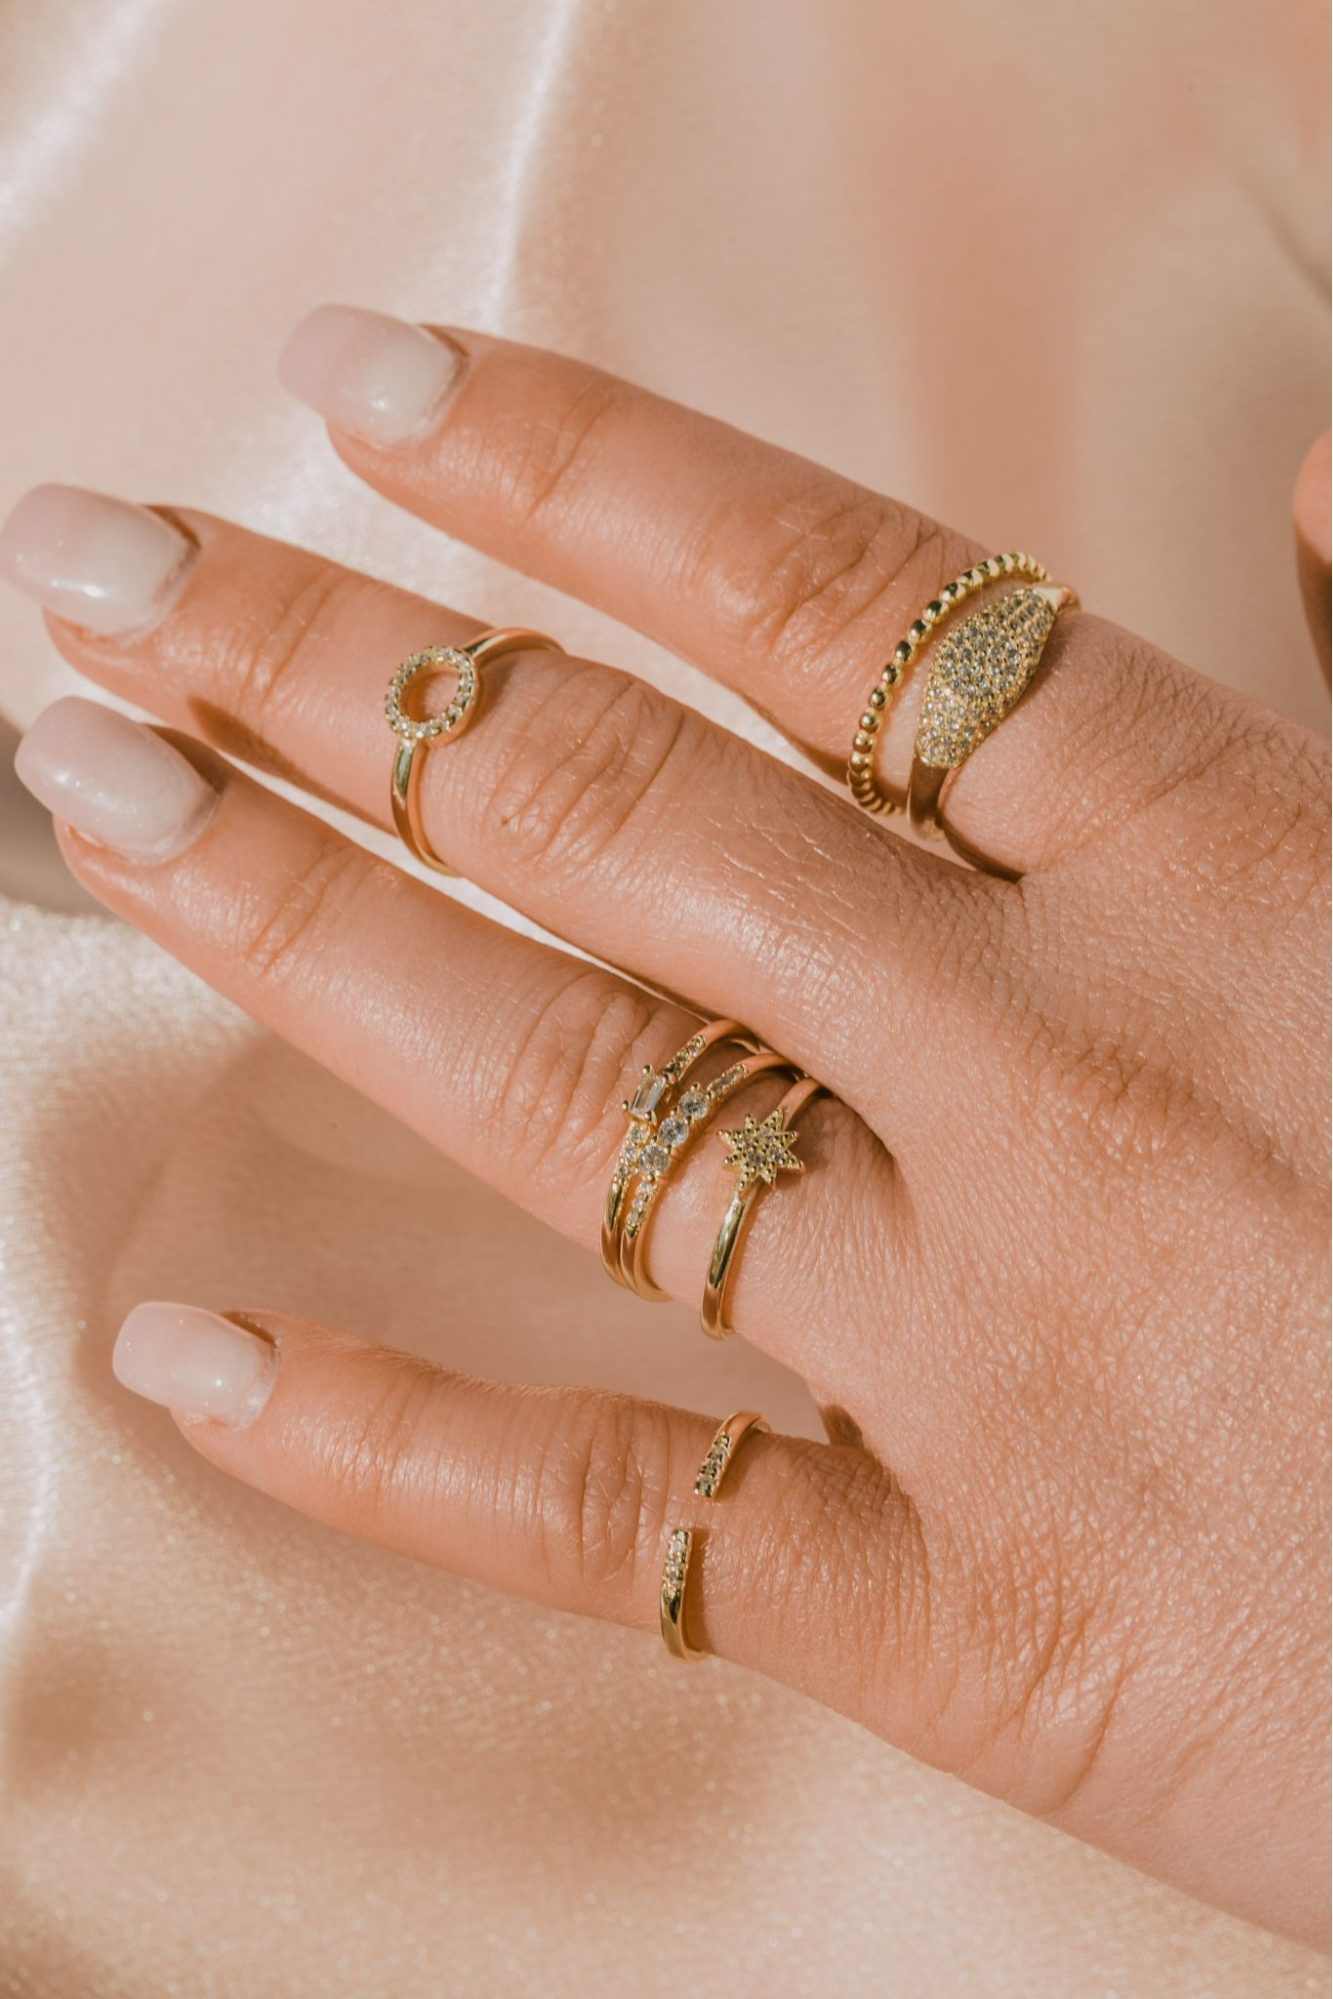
<point x="113" y="780"/>
<point x="99" y="562"/>
<point x="195" y="1363"/>
<point x="377" y="377"/>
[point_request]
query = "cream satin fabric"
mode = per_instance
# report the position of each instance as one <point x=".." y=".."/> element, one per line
<point x="1056" y="273"/>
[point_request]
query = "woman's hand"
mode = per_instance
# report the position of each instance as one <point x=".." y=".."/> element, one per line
<point x="1056" y="1271"/>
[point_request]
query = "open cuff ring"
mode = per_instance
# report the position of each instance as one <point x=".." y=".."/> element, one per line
<point x="681" y="1544"/>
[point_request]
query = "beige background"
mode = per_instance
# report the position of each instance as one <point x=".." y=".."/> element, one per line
<point x="1056" y="272"/>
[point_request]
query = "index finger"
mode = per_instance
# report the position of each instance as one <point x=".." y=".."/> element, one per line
<point x="775" y="575"/>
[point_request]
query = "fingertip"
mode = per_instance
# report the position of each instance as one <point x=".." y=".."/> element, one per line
<point x="380" y="379"/>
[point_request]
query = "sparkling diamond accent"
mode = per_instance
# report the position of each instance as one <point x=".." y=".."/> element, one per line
<point x="644" y="1102"/>
<point x="762" y="1150"/>
<point x="409" y="727"/>
<point x="677" y="1562"/>
<point x="713" y="1466"/>
<point x="979" y="673"/>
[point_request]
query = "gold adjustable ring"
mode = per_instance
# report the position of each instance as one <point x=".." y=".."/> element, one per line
<point x="978" y="675"/>
<point x="416" y="733"/>
<point x="680" y="1546"/>
<point x="757" y="1154"/>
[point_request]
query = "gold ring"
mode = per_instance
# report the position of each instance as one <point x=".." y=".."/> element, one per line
<point x="416" y="733"/>
<point x="865" y="786"/>
<point x="646" y="1110"/>
<point x="759" y="1152"/>
<point x="658" y="1157"/>
<point x="979" y="675"/>
<point x="676" y="1568"/>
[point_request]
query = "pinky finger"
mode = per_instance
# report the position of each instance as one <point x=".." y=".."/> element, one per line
<point x="567" y="1496"/>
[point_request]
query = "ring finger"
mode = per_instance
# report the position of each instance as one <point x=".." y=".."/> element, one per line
<point x="508" y="1054"/>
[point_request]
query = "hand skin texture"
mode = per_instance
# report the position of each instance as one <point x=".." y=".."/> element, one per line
<point x="1057" y="1269"/>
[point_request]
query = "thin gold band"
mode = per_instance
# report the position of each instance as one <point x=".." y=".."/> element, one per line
<point x="760" y="1153"/>
<point x="657" y="1162"/>
<point x="681" y="1544"/>
<point x="650" y="1107"/>
<point x="415" y="734"/>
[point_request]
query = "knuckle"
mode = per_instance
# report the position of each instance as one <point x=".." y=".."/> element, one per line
<point x="822" y="565"/>
<point x="601" y="1493"/>
<point x="1116" y="1101"/>
<point x="556" y="1101"/>
<point x="554" y="454"/>
<point x="286" y="930"/>
<point x="1058" y="1670"/>
<point x="279" y="658"/>
<point x="585" y="759"/>
<point x="380" y="1456"/>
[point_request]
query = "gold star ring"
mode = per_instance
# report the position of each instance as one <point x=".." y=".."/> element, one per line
<point x="757" y="1154"/>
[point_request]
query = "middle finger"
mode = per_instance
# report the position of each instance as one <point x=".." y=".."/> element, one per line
<point x="599" y="807"/>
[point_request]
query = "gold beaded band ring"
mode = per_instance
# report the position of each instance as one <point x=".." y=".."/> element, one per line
<point x="676" y="1567"/>
<point x="645" y="1111"/>
<point x="978" y="675"/>
<point x="693" y="1111"/>
<point x="866" y="787"/>
<point x="416" y="733"/>
<point x="758" y="1154"/>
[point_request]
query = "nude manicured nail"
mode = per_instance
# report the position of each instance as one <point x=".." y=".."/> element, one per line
<point x="113" y="780"/>
<point x="377" y="377"/>
<point x="101" y="563"/>
<point x="194" y="1362"/>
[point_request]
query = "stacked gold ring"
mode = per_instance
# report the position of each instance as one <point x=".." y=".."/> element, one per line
<point x="978" y="675"/>
<point x="651" y="1106"/>
<point x="689" y="1114"/>
<point x="758" y="1154"/>
<point x="664" y="1115"/>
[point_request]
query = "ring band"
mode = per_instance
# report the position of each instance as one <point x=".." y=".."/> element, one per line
<point x="759" y="1153"/>
<point x="693" y="1111"/>
<point x="645" y="1110"/>
<point x="978" y="676"/>
<point x="415" y="734"/>
<point x="866" y="787"/>
<point x="680" y="1546"/>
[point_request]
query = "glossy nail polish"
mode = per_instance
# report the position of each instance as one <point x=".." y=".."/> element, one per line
<point x="113" y="780"/>
<point x="195" y="1363"/>
<point x="104" y="564"/>
<point x="379" y="378"/>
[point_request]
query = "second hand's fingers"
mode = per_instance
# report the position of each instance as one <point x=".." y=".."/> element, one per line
<point x="770" y="572"/>
<point x="509" y="1055"/>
